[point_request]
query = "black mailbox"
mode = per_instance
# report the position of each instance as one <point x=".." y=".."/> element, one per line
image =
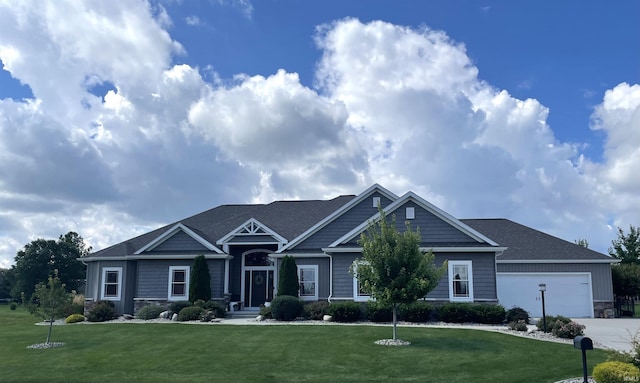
<point x="583" y="343"/>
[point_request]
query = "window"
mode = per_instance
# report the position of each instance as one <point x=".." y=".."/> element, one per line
<point x="410" y="213"/>
<point x="460" y="281"/>
<point x="178" y="283"/>
<point x="359" y="295"/>
<point x="308" y="278"/>
<point x="376" y="202"/>
<point x="111" y="283"/>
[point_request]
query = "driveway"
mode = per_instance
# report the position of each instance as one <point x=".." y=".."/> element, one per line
<point x="611" y="333"/>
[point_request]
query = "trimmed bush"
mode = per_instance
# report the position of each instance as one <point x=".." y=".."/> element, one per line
<point x="75" y="318"/>
<point x="176" y="307"/>
<point x="378" y="312"/>
<point x="551" y="322"/>
<point x="102" y="311"/>
<point x="216" y="307"/>
<point x="13" y="306"/>
<point x="286" y="307"/>
<point x="266" y="312"/>
<point x="316" y="310"/>
<point x="288" y="283"/>
<point x="417" y="312"/>
<point x="200" y="280"/>
<point x="515" y="314"/>
<point x="519" y="325"/>
<point x="567" y="330"/>
<point x="456" y="313"/>
<point x="345" y="312"/>
<point x="191" y="313"/>
<point x="489" y="314"/>
<point x="150" y="312"/>
<point x="616" y="372"/>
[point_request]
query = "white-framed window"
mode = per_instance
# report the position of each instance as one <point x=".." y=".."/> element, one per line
<point x="460" y="281"/>
<point x="359" y="295"/>
<point x="111" y="283"/>
<point x="410" y="213"/>
<point x="308" y="278"/>
<point x="376" y="202"/>
<point x="178" y="283"/>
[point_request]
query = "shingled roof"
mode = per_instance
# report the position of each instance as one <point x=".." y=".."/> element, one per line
<point x="526" y="244"/>
<point x="287" y="218"/>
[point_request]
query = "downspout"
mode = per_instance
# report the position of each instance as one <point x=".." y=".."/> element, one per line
<point x="330" y="277"/>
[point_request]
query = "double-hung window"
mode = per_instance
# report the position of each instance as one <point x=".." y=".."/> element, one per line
<point x="460" y="281"/>
<point x="308" y="278"/>
<point x="111" y="283"/>
<point x="178" y="283"/>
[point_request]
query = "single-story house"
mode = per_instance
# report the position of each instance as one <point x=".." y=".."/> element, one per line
<point x="489" y="260"/>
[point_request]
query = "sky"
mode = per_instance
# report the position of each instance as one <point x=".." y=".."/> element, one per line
<point x="119" y="117"/>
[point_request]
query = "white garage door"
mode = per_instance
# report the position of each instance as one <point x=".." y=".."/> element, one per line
<point x="567" y="294"/>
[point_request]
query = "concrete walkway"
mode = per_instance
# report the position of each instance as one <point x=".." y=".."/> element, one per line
<point x="611" y="333"/>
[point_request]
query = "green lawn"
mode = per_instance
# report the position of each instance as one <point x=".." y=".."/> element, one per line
<point x="227" y="353"/>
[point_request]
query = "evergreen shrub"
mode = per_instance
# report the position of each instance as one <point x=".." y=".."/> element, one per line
<point x="288" y="283"/>
<point x="191" y="313"/>
<point x="177" y="306"/>
<point x="265" y="311"/>
<point x="515" y="314"/>
<point x="316" y="310"/>
<point x="217" y="308"/>
<point x="200" y="280"/>
<point x="286" y="308"/>
<point x="378" y="312"/>
<point x="489" y="314"/>
<point x="13" y="306"/>
<point x="417" y="312"/>
<point x="150" y="312"/>
<point x="456" y="313"/>
<point x="102" y="311"/>
<point x="345" y="311"/>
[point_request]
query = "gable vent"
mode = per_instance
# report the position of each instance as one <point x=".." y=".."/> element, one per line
<point x="376" y="202"/>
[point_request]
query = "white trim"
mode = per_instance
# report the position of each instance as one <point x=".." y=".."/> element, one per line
<point x="171" y="232"/>
<point x="185" y="297"/>
<point x="330" y="218"/>
<point x="356" y="292"/>
<point x="410" y="212"/>
<point x="411" y="196"/>
<point x="315" y="282"/>
<point x="582" y="261"/>
<point x="298" y="255"/>
<point x="250" y="228"/>
<point x="226" y="276"/>
<point x="118" y="296"/>
<point x="155" y="256"/>
<point x="244" y="268"/>
<point x="376" y="202"/>
<point x="469" y="265"/>
<point x="453" y="249"/>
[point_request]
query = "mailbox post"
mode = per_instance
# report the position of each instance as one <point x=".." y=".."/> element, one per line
<point x="583" y="343"/>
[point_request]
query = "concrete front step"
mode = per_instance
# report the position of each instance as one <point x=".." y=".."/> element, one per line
<point x="242" y="314"/>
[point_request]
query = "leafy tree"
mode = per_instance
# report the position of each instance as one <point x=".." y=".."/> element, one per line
<point x="627" y="246"/>
<point x="288" y="277"/>
<point x="6" y="281"/>
<point x="626" y="279"/>
<point x="393" y="269"/>
<point x="200" y="280"/>
<point x="49" y="301"/>
<point x="38" y="260"/>
<point x="582" y="242"/>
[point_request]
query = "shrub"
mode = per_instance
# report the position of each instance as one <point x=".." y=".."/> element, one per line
<point x="75" y="318"/>
<point x="518" y="325"/>
<point x="176" y="307"/>
<point x="216" y="307"/>
<point x="266" y="312"/>
<point x="288" y="277"/>
<point x="286" y="307"/>
<point x="551" y="321"/>
<point x="149" y="312"/>
<point x="191" y="313"/>
<point x="13" y="306"/>
<point x="316" y="310"/>
<point x="378" y="312"/>
<point x="489" y="314"/>
<point x="456" y="312"/>
<point x="567" y="330"/>
<point x="74" y="308"/>
<point x="102" y="311"/>
<point x="200" y="280"/>
<point x="345" y="311"/>
<point x="515" y="314"/>
<point x="616" y="372"/>
<point x="417" y="312"/>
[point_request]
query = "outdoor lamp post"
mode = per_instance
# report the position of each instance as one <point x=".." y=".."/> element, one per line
<point x="543" y="288"/>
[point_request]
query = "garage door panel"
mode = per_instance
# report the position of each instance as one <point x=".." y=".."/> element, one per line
<point x="567" y="294"/>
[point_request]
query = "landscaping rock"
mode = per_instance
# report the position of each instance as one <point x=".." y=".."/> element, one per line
<point x="326" y="318"/>
<point x="128" y="316"/>
<point x="174" y="317"/>
<point x="164" y="315"/>
<point x="391" y="342"/>
<point x="259" y="318"/>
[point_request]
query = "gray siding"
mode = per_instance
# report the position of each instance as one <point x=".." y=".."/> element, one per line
<point x="181" y="242"/>
<point x="483" y="265"/>
<point x="125" y="304"/>
<point x="346" y="222"/>
<point x="92" y="290"/>
<point x="601" y="283"/>
<point x="432" y="228"/>
<point x="323" y="274"/>
<point x="153" y="277"/>
<point x="216" y="270"/>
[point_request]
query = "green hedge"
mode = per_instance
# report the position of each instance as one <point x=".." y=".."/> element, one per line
<point x="345" y="311"/>
<point x="286" y="308"/>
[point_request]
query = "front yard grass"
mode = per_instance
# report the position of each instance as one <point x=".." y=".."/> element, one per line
<point x="295" y="353"/>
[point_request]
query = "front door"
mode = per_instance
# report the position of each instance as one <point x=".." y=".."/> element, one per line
<point x="258" y="286"/>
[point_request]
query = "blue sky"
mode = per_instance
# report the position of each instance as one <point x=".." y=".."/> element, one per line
<point x="117" y="118"/>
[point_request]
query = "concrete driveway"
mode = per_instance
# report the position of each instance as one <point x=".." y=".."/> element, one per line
<point x="611" y="333"/>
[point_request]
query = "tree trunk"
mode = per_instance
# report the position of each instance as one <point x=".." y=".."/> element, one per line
<point x="395" y="319"/>
<point x="50" y="328"/>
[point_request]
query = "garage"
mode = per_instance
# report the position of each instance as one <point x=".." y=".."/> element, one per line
<point x="567" y="294"/>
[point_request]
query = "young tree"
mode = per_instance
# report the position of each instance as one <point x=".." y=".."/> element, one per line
<point x="38" y="259"/>
<point x="627" y="246"/>
<point x="393" y="269"/>
<point x="49" y="301"/>
<point x="288" y="277"/>
<point x="626" y="279"/>
<point x="200" y="280"/>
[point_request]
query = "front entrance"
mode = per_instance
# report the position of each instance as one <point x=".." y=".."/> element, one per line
<point x="258" y="271"/>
